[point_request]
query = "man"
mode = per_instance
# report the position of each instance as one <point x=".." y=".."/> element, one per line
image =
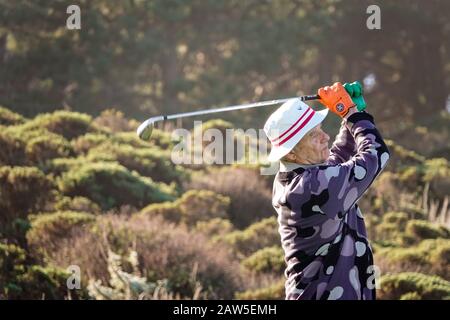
<point x="315" y="194"/>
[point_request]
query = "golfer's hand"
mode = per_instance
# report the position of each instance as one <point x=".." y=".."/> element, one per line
<point x="355" y="90"/>
<point x="336" y="99"/>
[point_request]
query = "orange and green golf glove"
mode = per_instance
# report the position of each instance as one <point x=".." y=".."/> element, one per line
<point x="355" y="90"/>
<point x="336" y="98"/>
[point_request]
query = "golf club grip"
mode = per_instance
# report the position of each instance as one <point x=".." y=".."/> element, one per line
<point x="310" y="97"/>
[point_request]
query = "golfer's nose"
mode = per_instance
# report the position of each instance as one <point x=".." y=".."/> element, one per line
<point x="325" y="137"/>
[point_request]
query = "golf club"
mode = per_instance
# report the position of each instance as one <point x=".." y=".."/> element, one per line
<point x="144" y="131"/>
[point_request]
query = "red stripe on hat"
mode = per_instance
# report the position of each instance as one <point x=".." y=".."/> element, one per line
<point x="296" y="122"/>
<point x="296" y="130"/>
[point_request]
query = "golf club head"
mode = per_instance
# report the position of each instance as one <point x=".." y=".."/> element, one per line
<point x="144" y="131"/>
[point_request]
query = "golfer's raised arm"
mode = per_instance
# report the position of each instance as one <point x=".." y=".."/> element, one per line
<point x="343" y="147"/>
<point x="347" y="181"/>
<point x="352" y="178"/>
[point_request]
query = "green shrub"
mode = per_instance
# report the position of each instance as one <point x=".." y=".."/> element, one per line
<point x="12" y="150"/>
<point x="65" y="123"/>
<point x="45" y="283"/>
<point x="165" y="251"/>
<point x="38" y="144"/>
<point x="417" y="285"/>
<point x="250" y="195"/>
<point x="113" y="120"/>
<point x="49" y="229"/>
<point x="420" y="230"/>
<point x="132" y="285"/>
<point x="410" y="296"/>
<point x="21" y="281"/>
<point x="257" y="236"/>
<point x="429" y="256"/>
<point x="131" y="139"/>
<point x="214" y="228"/>
<point x="403" y="156"/>
<point x="201" y="205"/>
<point x="162" y="139"/>
<point x="192" y="207"/>
<point x="437" y="172"/>
<point x="23" y="190"/>
<point x="12" y="264"/>
<point x="151" y="162"/>
<point x="9" y="118"/>
<point x="43" y="148"/>
<point x="111" y="185"/>
<point x="275" y="291"/>
<point x="269" y="259"/>
<point x="398" y="218"/>
<point x="79" y="204"/>
<point x="90" y="140"/>
<point x="168" y="210"/>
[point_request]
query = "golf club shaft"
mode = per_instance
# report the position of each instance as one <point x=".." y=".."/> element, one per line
<point x="235" y="107"/>
<point x="144" y="131"/>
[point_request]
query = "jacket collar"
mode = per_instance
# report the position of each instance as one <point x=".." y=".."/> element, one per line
<point x="291" y="166"/>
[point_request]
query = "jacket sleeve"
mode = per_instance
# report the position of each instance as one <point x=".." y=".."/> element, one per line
<point x="344" y="146"/>
<point x="346" y="182"/>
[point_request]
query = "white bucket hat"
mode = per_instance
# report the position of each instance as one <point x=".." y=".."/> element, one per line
<point x="289" y="124"/>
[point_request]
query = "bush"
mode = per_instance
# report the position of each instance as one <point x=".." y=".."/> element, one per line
<point x="429" y="256"/>
<point x="131" y="139"/>
<point x="398" y="218"/>
<point x="113" y="121"/>
<point x="65" y="123"/>
<point x="437" y="172"/>
<point x="151" y="162"/>
<point x="58" y="166"/>
<point x="411" y="284"/>
<point x="276" y="291"/>
<point x="251" y="197"/>
<point x="43" y="148"/>
<point x="167" y="210"/>
<point x="20" y="281"/>
<point x="111" y="185"/>
<point x="202" y="205"/>
<point x="162" y="139"/>
<point x="269" y="259"/>
<point x="165" y="251"/>
<point x="12" y="264"/>
<point x="420" y="230"/>
<point x="12" y="150"/>
<point x="45" y="283"/>
<point x="9" y="118"/>
<point x="38" y="144"/>
<point x="79" y="204"/>
<point x="84" y="143"/>
<point x="48" y="230"/>
<point x="257" y="236"/>
<point x="125" y="285"/>
<point x="214" y="228"/>
<point x="23" y="190"/>
<point x="192" y="207"/>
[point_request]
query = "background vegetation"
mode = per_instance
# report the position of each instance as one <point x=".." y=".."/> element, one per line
<point x="78" y="188"/>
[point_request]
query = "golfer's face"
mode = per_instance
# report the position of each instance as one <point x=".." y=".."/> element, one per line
<point x="318" y="144"/>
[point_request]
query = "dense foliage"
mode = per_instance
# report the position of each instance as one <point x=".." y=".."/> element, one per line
<point x="77" y="187"/>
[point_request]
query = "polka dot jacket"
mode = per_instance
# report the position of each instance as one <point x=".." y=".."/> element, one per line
<point x="322" y="229"/>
